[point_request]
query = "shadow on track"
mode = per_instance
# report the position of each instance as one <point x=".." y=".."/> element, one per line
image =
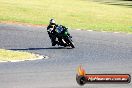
<point x="43" y="48"/>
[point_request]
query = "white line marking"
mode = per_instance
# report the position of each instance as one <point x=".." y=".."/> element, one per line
<point x="116" y="32"/>
<point x="89" y="30"/>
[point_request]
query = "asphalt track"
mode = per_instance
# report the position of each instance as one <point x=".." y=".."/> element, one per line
<point x="98" y="52"/>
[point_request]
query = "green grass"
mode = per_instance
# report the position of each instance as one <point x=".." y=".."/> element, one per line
<point x="82" y="14"/>
<point x="8" y="55"/>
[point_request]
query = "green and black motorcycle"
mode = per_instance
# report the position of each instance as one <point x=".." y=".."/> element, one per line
<point x="64" y="38"/>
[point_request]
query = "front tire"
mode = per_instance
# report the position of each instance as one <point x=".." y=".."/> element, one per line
<point x="71" y="43"/>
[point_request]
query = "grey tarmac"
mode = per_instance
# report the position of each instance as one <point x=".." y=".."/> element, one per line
<point x="97" y="52"/>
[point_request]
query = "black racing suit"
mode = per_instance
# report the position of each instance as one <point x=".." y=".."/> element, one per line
<point x="52" y="33"/>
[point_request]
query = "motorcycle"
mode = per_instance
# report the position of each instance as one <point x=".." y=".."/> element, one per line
<point x="64" y="39"/>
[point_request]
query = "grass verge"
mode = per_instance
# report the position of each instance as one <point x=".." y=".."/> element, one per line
<point x="8" y="55"/>
<point x="82" y="14"/>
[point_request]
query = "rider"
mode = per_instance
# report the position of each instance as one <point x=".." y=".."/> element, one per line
<point x="51" y="29"/>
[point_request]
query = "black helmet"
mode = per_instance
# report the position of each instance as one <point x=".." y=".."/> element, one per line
<point x="52" y="21"/>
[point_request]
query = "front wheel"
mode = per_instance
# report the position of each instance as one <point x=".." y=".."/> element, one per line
<point x="70" y="42"/>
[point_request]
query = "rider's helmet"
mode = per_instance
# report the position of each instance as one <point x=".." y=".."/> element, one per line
<point x="52" y="21"/>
